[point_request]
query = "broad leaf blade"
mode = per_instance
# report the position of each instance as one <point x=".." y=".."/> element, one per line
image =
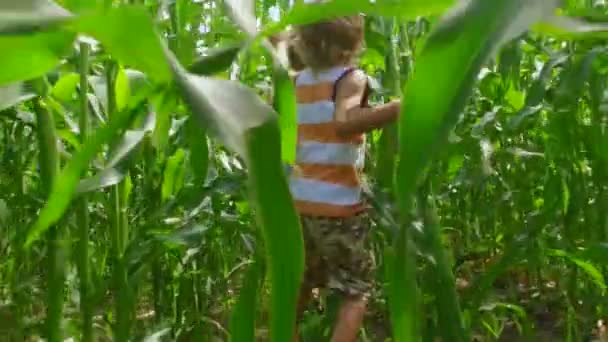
<point x="173" y="175"/>
<point x="228" y="108"/>
<point x="199" y="150"/>
<point x="215" y="60"/>
<point x="308" y="13"/>
<point x="140" y="49"/>
<point x="25" y="16"/>
<point x="248" y="126"/>
<point x="285" y="105"/>
<point x="243" y="13"/>
<point x="445" y="75"/>
<point x="31" y="56"/>
<point x="571" y="28"/>
<point x="442" y="82"/>
<point x="242" y="323"/>
<point x="67" y="181"/>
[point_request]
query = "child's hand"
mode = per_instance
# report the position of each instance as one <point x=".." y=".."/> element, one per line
<point x="395" y="105"/>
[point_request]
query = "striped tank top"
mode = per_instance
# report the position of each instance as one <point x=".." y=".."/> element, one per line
<point x="325" y="179"/>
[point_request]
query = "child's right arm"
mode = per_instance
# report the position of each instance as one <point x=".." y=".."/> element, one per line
<point x="353" y="118"/>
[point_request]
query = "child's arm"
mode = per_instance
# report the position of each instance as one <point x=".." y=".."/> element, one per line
<point x="352" y="118"/>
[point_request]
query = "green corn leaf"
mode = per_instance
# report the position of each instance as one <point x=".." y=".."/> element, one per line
<point x="446" y="298"/>
<point x="122" y="89"/>
<point x="79" y="6"/>
<point x="402" y="289"/>
<point x="592" y="271"/>
<point x="445" y="74"/>
<point x="164" y="104"/>
<point x="27" y="51"/>
<point x="284" y="92"/>
<point x="235" y="115"/>
<point x="130" y="140"/>
<point x="285" y="105"/>
<point x="141" y="49"/>
<point x="199" y="150"/>
<point x="121" y="156"/>
<point x="281" y="227"/>
<point x="228" y="109"/>
<point x="66" y="183"/>
<point x="31" y="56"/>
<point x="564" y="27"/>
<point x="446" y="71"/>
<point x="215" y="60"/>
<point x="173" y="175"/>
<point x="242" y="323"/>
<point x="308" y="13"/>
<point x="65" y="88"/>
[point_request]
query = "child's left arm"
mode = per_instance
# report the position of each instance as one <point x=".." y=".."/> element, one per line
<point x="351" y="116"/>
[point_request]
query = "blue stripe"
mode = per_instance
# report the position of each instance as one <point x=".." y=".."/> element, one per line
<point x="328" y="154"/>
<point x="322" y="192"/>
<point x="306" y="77"/>
<point x="316" y="113"/>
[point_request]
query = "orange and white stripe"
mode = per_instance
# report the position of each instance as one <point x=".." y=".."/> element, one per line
<point x="325" y="181"/>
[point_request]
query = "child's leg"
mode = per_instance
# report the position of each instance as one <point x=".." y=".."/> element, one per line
<point x="349" y="320"/>
<point x="349" y="269"/>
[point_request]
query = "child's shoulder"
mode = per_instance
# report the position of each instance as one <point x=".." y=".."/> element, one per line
<point x="353" y="76"/>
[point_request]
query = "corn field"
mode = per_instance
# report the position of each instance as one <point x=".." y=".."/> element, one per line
<point x="143" y="191"/>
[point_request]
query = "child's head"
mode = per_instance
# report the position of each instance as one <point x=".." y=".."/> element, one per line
<point x="329" y="43"/>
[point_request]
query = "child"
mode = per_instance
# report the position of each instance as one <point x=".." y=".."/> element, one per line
<point x="333" y="117"/>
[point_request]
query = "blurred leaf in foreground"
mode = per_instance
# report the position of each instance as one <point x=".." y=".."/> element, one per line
<point x="442" y="82"/>
<point x="239" y="118"/>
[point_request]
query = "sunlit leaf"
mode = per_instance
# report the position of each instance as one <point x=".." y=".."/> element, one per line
<point x="307" y="13"/>
<point x="173" y="175"/>
<point x="65" y="88"/>
<point x="516" y="99"/>
<point x="285" y="105"/>
<point x="123" y="89"/>
<point x="30" y="56"/>
<point x="140" y="49"/>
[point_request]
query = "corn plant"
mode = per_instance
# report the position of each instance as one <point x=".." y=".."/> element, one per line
<point x="143" y="193"/>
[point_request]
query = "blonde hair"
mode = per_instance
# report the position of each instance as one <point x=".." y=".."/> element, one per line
<point x="330" y="43"/>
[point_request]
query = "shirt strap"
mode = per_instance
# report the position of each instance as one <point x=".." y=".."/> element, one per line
<point x="364" y="99"/>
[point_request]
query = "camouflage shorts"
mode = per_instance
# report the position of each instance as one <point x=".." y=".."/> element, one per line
<point x="336" y="256"/>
